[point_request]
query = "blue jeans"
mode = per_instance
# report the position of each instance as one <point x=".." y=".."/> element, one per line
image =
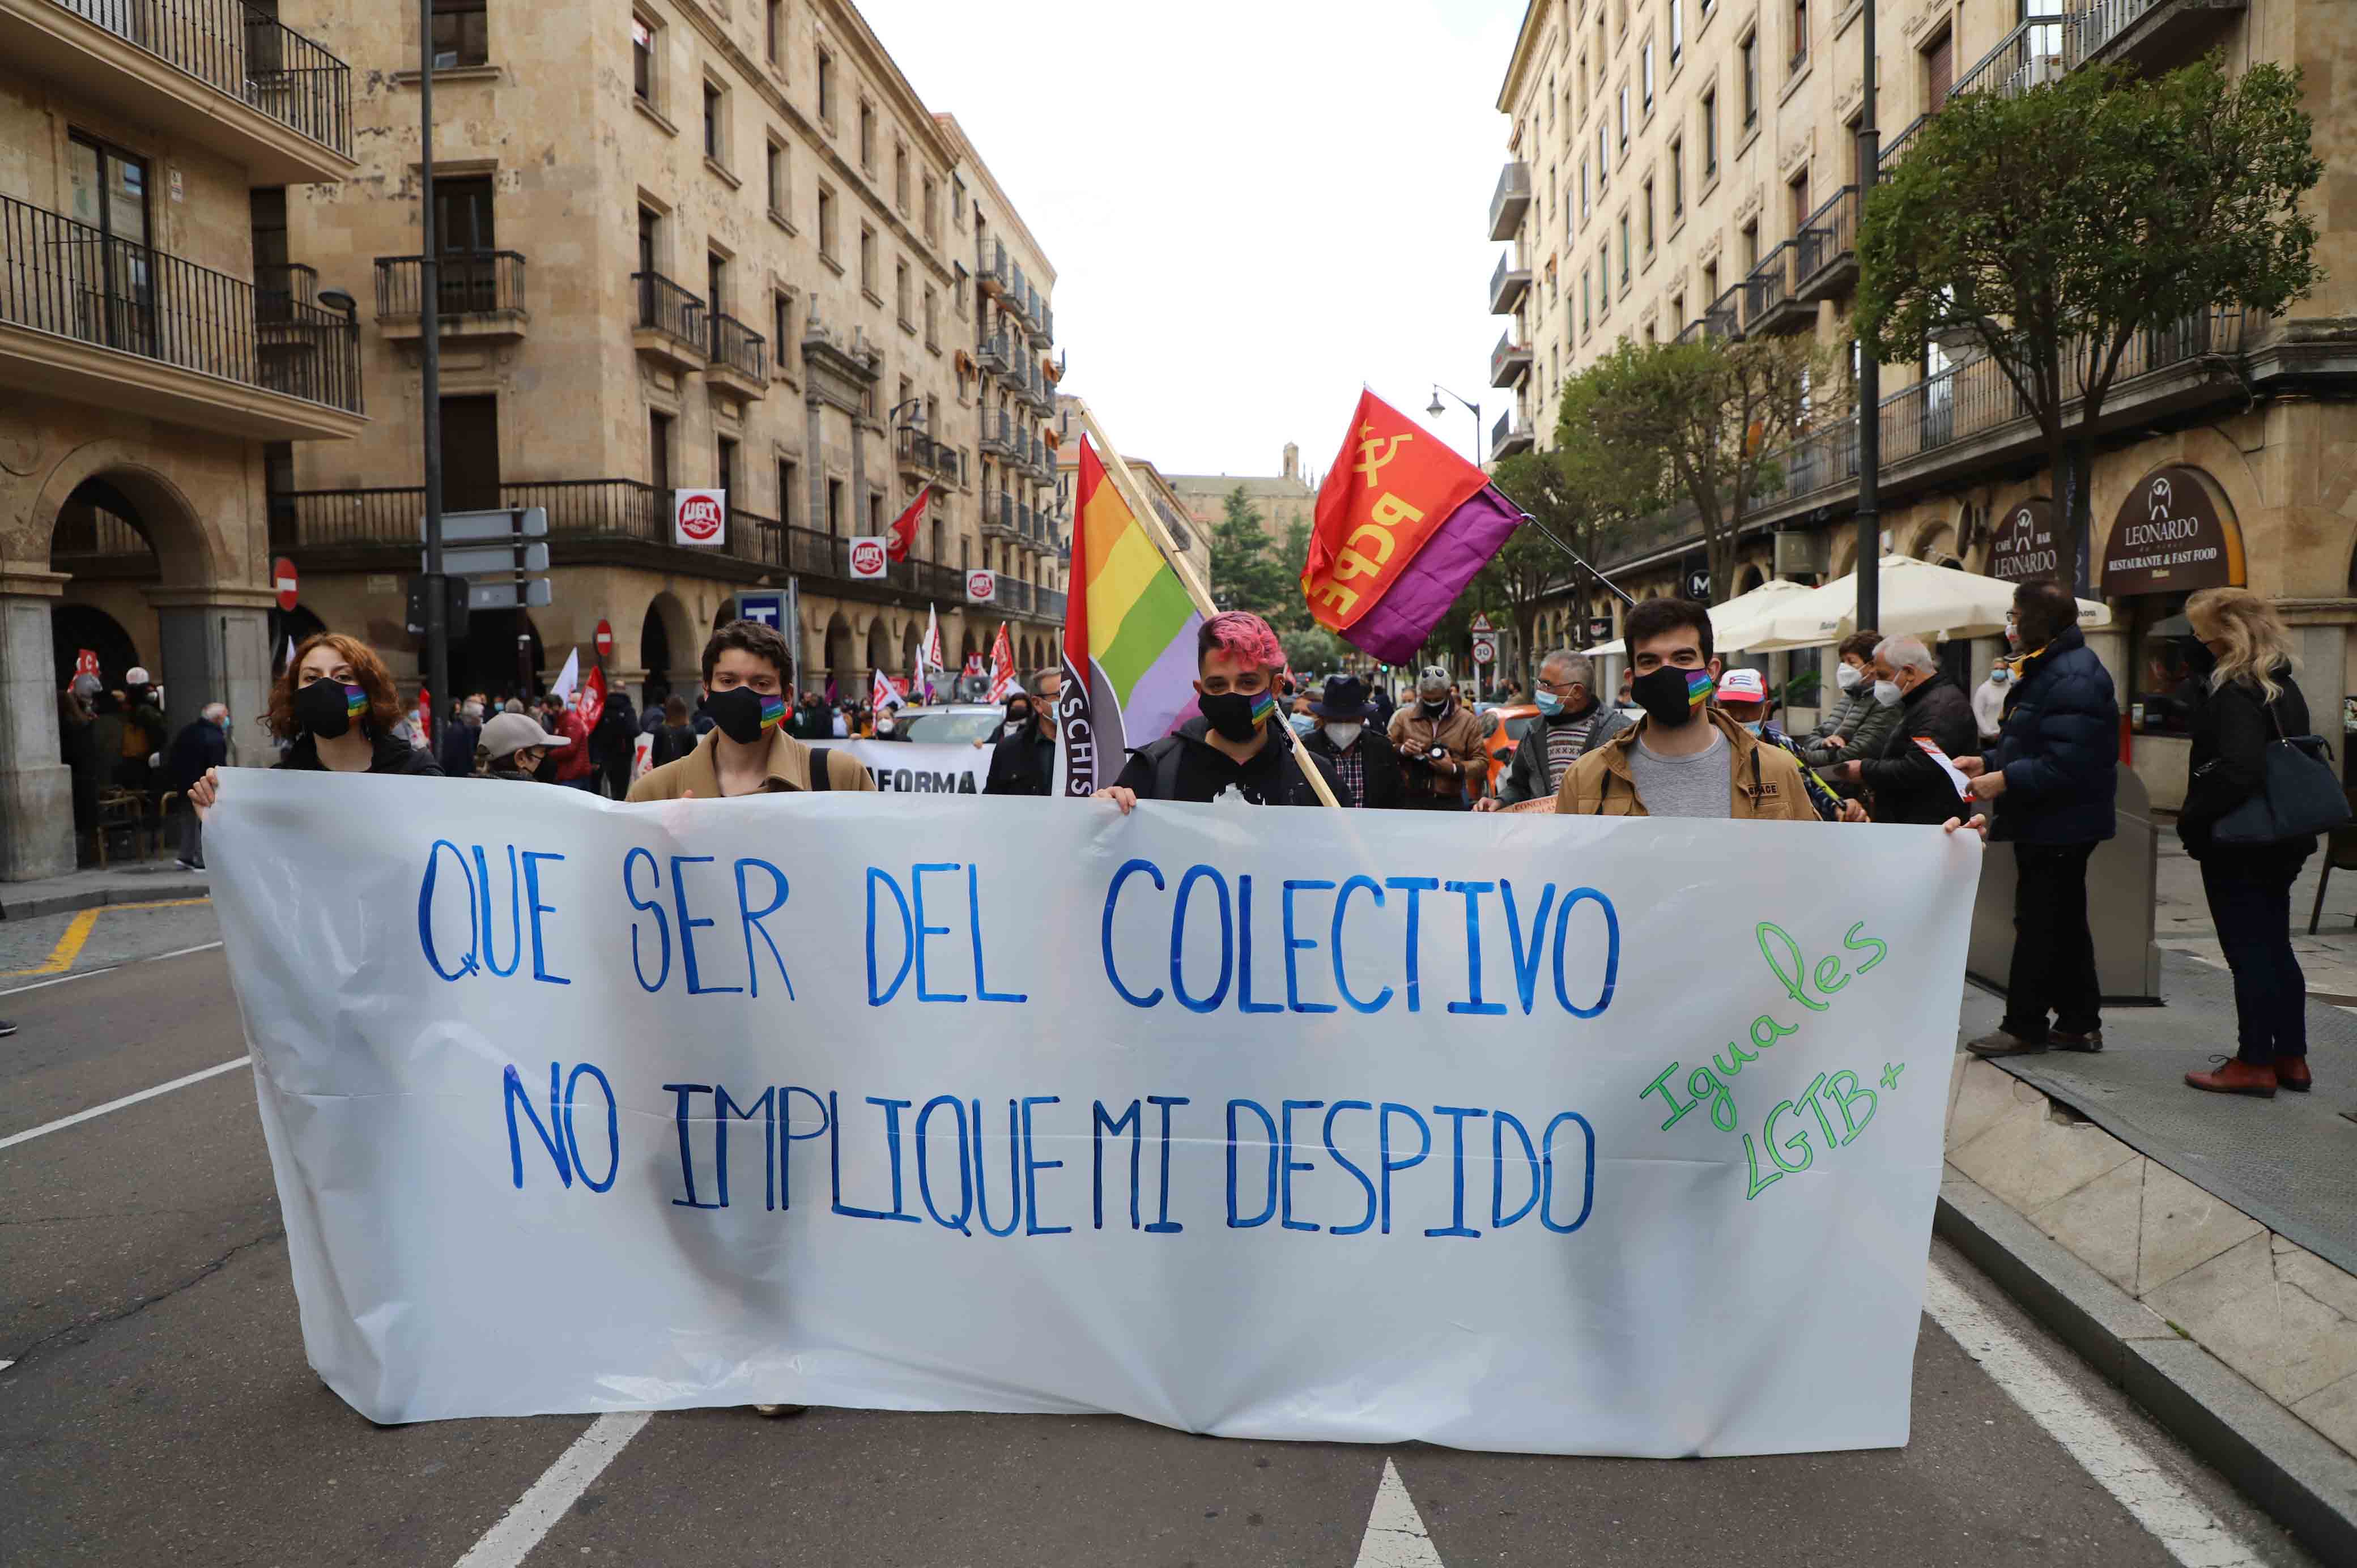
<point x="2249" y="892"/>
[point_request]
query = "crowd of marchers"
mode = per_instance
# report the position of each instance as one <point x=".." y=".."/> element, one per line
<point x="2028" y="761"/>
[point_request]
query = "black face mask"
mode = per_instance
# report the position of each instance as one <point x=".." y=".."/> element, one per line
<point x="1016" y="719"/>
<point x="1666" y="696"/>
<point x="1232" y="714"/>
<point x="2199" y="660"/>
<point x="737" y="712"/>
<point x="324" y="708"/>
<point x="547" y="772"/>
<point x="1432" y="706"/>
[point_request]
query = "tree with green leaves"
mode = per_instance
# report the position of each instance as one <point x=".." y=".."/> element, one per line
<point x="2055" y="229"/>
<point x="1245" y="572"/>
<point x="1570" y="495"/>
<point x="1703" y="419"/>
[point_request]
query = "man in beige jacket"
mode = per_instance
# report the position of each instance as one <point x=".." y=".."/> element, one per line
<point x="749" y="751"/>
<point x="1439" y="743"/>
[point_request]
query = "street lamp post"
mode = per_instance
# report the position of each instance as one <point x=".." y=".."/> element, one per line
<point x="1439" y="408"/>
<point x="1870" y="377"/>
<point x="429" y="339"/>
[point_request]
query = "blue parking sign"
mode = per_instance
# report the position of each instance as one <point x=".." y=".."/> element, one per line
<point x="769" y="609"/>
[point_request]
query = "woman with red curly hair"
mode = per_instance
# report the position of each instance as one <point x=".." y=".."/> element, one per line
<point x="335" y="704"/>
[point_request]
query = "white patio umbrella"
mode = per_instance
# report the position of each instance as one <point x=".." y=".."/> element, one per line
<point x="1732" y="623"/>
<point x="1918" y="597"/>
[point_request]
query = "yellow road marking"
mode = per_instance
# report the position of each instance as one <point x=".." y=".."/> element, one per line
<point x="69" y="946"/>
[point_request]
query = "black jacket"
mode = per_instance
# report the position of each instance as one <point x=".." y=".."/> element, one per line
<point x="393" y="755"/>
<point x="671" y="742"/>
<point x="459" y="738"/>
<point x="2059" y="748"/>
<point x="1907" y="785"/>
<point x="197" y="747"/>
<point x="1385" y="786"/>
<point x="1023" y="764"/>
<point x="1186" y="766"/>
<point x="2232" y="728"/>
<point x="1526" y="778"/>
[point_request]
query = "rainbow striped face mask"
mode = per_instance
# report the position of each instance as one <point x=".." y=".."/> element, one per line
<point x="1672" y="696"/>
<point x="1238" y="715"/>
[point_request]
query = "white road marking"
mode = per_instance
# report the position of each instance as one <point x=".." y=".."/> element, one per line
<point x="60" y="980"/>
<point x="510" y="1541"/>
<point x="5" y="1365"/>
<point x="182" y="952"/>
<point x="64" y="1121"/>
<point x="2175" y="1517"/>
<point x="1396" y="1535"/>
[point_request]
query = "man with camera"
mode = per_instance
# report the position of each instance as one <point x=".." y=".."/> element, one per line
<point x="1439" y="743"/>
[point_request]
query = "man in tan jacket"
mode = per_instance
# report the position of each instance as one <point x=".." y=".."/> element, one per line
<point x="749" y="751"/>
<point x="1684" y="759"/>
<point x="1439" y="743"/>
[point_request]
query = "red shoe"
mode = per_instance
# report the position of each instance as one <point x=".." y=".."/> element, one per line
<point x="2291" y="1072"/>
<point x="2235" y="1076"/>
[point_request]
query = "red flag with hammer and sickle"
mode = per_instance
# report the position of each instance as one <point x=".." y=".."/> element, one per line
<point x="1388" y="493"/>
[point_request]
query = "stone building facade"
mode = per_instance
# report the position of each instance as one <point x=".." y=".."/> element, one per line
<point x="1680" y="168"/>
<point x="1282" y="499"/>
<point x="157" y="339"/>
<point x="1192" y="540"/>
<point x="690" y="244"/>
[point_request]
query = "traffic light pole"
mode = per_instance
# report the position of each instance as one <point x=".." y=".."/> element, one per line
<point x="1870" y="378"/>
<point x="429" y="327"/>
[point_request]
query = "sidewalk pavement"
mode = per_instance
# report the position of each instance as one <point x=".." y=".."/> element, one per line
<point x="125" y="882"/>
<point x="2200" y="1249"/>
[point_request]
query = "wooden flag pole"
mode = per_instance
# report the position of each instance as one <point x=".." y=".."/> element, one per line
<point x="1117" y="469"/>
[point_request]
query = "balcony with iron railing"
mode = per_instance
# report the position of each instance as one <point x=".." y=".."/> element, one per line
<point x="1968" y="420"/>
<point x="739" y="362"/>
<point x="1510" y="200"/>
<point x="1722" y="318"/>
<point x="100" y="320"/>
<point x="1895" y="147"/>
<point x="477" y="295"/>
<point x="998" y="439"/>
<point x="992" y="273"/>
<point x="999" y="514"/>
<point x="1770" y="306"/>
<point x="1824" y="259"/>
<point x="669" y="327"/>
<point x="997" y="356"/>
<point x="2146" y="33"/>
<point x="949" y="463"/>
<point x="1508" y="284"/>
<point x="1509" y="362"/>
<point x="2028" y="56"/>
<point x="1512" y="435"/>
<point x="913" y="450"/>
<point x="217" y="73"/>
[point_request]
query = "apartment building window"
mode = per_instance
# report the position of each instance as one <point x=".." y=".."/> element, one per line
<point x="715" y="122"/>
<point x="868" y="263"/>
<point x="1677" y="32"/>
<point x="1939" y="71"/>
<point x="1549" y="214"/>
<point x="1710" y="134"/>
<point x="774" y="170"/>
<point x="1677" y="177"/>
<point x="957" y="291"/>
<point x="1582" y="82"/>
<point x="834" y="507"/>
<point x="724" y="463"/>
<point x="1800" y="200"/>
<point x="658" y="451"/>
<point x="1624" y="252"/>
<point x="867" y="139"/>
<point x="773" y="31"/>
<point x="1800" y="33"/>
<point x="826" y="225"/>
<point x="957" y="203"/>
<point x="900" y="177"/>
<point x="790" y="490"/>
<point x="1583" y="190"/>
<point x="932" y="210"/>
<point x="1750" y="52"/>
<point x="1645" y="66"/>
<point x="716" y="283"/>
<point x="650" y="238"/>
<point x="461" y="33"/>
<point x="1603" y="154"/>
<point x="1710" y="284"/>
<point x="827" y="88"/>
<point x="1550" y="101"/>
<point x="1648" y="210"/>
<point x="932" y="318"/>
<point x="1624" y="116"/>
<point x="1586" y="314"/>
<point x="900" y="297"/>
<point x="1603" y="281"/>
<point x="1678" y="311"/>
<point x="781" y="326"/>
<point x="1750" y="245"/>
<point x="643" y="60"/>
<point x="2044" y="42"/>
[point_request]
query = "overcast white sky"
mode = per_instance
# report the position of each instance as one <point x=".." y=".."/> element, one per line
<point x="1252" y="206"/>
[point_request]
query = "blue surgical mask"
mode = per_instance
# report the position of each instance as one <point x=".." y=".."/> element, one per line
<point x="1751" y="726"/>
<point x="1303" y="723"/>
<point x="1549" y="703"/>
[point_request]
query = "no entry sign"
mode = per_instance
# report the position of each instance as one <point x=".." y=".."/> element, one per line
<point x="282" y="573"/>
<point x="604" y="640"/>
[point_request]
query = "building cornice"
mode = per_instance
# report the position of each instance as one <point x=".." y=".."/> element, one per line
<point x="1525" y="55"/>
<point x="970" y="157"/>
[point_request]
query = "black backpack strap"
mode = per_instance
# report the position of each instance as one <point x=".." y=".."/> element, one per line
<point x="822" y="770"/>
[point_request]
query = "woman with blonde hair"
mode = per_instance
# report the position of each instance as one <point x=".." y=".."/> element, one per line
<point x="2244" y="702"/>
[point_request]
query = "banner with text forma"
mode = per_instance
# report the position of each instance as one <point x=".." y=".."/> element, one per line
<point x="1543" y="1134"/>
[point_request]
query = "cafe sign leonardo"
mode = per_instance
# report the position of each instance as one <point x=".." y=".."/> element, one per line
<point x="2023" y="546"/>
<point x="2172" y="537"/>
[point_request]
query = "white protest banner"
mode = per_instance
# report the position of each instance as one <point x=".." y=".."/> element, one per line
<point x="1541" y="1133"/>
<point x="917" y="768"/>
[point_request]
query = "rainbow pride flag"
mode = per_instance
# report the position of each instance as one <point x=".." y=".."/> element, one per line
<point x="1129" y="638"/>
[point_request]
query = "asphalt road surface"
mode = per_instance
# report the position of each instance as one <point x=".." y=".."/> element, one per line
<point x="155" y="1408"/>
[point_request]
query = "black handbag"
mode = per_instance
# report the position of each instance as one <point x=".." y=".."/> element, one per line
<point x="2298" y="795"/>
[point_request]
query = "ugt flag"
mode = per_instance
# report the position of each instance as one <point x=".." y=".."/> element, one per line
<point x="1129" y="637"/>
<point x="1403" y="524"/>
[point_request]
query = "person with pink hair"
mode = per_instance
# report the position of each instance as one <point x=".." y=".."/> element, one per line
<point x="1236" y="749"/>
